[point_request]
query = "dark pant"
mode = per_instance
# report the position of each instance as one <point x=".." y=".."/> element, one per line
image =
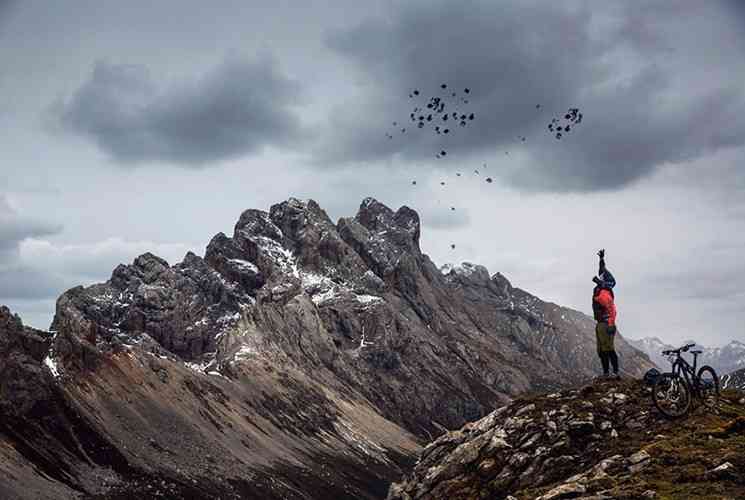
<point x="606" y="350"/>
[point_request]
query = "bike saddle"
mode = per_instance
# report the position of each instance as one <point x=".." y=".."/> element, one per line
<point x="696" y="352"/>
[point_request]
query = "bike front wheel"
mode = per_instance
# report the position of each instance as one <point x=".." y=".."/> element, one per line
<point x="671" y="395"/>
<point x="708" y="381"/>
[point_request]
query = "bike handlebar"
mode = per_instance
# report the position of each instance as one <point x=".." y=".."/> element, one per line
<point x="678" y="350"/>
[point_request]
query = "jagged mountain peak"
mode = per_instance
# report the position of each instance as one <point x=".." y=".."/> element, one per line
<point x="290" y="251"/>
<point x="293" y="217"/>
<point x="502" y="283"/>
<point x="9" y="321"/>
<point x="333" y="345"/>
<point x="377" y="217"/>
<point x="466" y="270"/>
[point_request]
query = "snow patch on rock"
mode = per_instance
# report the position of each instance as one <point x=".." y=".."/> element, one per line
<point x="368" y="299"/>
<point x="244" y="265"/>
<point x="52" y="365"/>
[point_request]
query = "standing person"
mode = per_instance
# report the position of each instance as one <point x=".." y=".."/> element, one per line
<point x="604" y="310"/>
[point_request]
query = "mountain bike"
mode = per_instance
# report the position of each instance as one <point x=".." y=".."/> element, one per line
<point x="673" y="392"/>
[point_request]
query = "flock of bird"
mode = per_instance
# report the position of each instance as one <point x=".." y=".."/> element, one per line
<point x="439" y="114"/>
<point x="571" y="118"/>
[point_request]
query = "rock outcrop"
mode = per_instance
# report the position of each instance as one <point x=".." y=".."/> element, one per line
<point x="734" y="380"/>
<point x="601" y="441"/>
<point x="297" y="356"/>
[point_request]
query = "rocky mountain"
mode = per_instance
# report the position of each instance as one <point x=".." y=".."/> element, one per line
<point x="297" y="359"/>
<point x="734" y="380"/>
<point x="724" y="359"/>
<point x="601" y="441"/>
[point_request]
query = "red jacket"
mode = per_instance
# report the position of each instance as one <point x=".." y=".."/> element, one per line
<point x="603" y="307"/>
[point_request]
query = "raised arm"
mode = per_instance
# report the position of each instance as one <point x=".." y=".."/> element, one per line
<point x="603" y="271"/>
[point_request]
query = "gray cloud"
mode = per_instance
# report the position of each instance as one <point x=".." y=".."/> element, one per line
<point x="6" y="7"/>
<point x="236" y="109"/>
<point x="643" y="107"/>
<point x="91" y="262"/>
<point x="710" y="273"/>
<point x="14" y="228"/>
<point x="444" y="218"/>
<point x="18" y="280"/>
<point x="33" y="268"/>
<point x="23" y="282"/>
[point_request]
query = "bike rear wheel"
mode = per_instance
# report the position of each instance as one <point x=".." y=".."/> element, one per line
<point x="708" y="381"/>
<point x="671" y="395"/>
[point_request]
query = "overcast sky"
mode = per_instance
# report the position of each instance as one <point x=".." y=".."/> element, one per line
<point x="149" y="126"/>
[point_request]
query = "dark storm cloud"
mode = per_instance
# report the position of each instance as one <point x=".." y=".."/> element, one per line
<point x="487" y="48"/>
<point x="514" y="55"/>
<point x="5" y="8"/>
<point x="633" y="136"/>
<point x="237" y="109"/>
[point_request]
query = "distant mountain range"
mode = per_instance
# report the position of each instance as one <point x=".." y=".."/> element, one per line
<point x="724" y="360"/>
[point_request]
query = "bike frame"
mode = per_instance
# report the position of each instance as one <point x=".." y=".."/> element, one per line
<point x="682" y="368"/>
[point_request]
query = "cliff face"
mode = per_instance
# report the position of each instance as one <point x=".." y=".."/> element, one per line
<point x="603" y="441"/>
<point x="298" y="358"/>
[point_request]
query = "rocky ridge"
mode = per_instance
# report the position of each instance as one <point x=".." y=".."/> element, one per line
<point x="602" y="441"/>
<point x="297" y="358"/>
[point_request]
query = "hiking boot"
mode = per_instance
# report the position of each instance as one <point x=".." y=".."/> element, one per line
<point x="615" y="376"/>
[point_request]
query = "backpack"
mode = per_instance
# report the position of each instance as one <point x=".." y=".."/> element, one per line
<point x="651" y="376"/>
